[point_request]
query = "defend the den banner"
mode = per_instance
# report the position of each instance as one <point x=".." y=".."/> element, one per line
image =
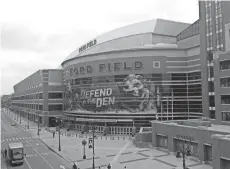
<point x="134" y="94"/>
<point x="100" y="97"/>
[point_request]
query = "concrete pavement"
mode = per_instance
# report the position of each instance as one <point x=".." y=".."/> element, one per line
<point x="119" y="153"/>
<point x="38" y="156"/>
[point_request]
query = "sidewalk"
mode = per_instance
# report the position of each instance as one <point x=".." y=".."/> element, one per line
<point x="110" y="150"/>
<point x="24" y="121"/>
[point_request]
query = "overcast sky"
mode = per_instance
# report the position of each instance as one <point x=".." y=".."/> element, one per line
<point x="40" y="34"/>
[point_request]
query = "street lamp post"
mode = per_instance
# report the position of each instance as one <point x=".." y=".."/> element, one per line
<point x="84" y="142"/>
<point x="38" y="118"/>
<point x="20" y="116"/>
<point x="59" y="133"/>
<point x="28" y="120"/>
<point x="93" y="147"/>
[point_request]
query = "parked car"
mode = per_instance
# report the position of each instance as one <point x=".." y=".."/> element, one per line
<point x="13" y="124"/>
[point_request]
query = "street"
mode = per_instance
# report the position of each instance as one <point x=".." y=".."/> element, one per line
<point x="37" y="154"/>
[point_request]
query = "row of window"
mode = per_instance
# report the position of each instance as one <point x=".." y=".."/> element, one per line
<point x="56" y="95"/>
<point x="148" y="77"/>
<point x="55" y="107"/>
<point x="29" y="106"/>
<point x="52" y="107"/>
<point x="29" y="97"/>
<point x="192" y="30"/>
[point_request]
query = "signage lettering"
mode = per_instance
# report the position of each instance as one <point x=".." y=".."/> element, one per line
<point x="185" y="137"/>
<point x="126" y="67"/>
<point x="106" y="67"/>
<point x="138" y="65"/>
<point x="117" y="66"/>
<point x="100" y="97"/>
<point x="88" y="45"/>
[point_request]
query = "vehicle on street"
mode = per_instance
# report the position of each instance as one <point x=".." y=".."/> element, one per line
<point x="13" y="124"/>
<point x="16" y="153"/>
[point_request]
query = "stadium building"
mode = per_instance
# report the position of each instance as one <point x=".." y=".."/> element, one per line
<point x="132" y="75"/>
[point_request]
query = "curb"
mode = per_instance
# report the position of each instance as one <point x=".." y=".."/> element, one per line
<point x="51" y="149"/>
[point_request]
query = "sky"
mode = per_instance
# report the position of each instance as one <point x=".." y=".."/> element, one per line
<point x="40" y="34"/>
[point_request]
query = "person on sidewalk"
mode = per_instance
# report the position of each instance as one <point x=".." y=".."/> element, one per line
<point x="53" y="134"/>
<point x="5" y="153"/>
<point x="74" y="166"/>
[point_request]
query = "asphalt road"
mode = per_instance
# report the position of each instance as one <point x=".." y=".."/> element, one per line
<point x="38" y="156"/>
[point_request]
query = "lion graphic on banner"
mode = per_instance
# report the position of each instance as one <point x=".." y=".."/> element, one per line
<point x="72" y="99"/>
<point x="142" y="92"/>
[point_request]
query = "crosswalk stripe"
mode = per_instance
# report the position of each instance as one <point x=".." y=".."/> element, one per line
<point x="13" y="138"/>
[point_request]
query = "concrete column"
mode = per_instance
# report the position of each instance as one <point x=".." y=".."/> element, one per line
<point x="216" y="163"/>
<point x="154" y="134"/>
<point x="171" y="141"/>
<point x="217" y="91"/>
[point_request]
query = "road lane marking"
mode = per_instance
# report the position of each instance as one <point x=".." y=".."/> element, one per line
<point x="120" y="152"/>
<point x="40" y="155"/>
<point x="28" y="164"/>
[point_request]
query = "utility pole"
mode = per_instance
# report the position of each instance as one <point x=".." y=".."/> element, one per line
<point x="167" y="107"/>
<point x="20" y="117"/>
<point x="59" y="122"/>
<point x="93" y="148"/>
<point x="172" y="104"/>
<point x="38" y="118"/>
<point x="28" y="119"/>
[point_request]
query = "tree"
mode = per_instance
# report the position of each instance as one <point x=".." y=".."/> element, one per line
<point x="185" y="150"/>
<point x="84" y="142"/>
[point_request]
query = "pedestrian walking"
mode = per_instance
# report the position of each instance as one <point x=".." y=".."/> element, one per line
<point x="74" y="166"/>
<point x="5" y="153"/>
<point x="53" y="134"/>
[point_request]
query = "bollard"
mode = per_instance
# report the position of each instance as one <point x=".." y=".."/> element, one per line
<point x="101" y="137"/>
<point x="76" y="135"/>
<point x="118" y="137"/>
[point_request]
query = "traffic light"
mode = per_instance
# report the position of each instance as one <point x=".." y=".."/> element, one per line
<point x="90" y="142"/>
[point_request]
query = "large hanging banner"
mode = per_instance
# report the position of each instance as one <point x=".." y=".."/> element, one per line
<point x="134" y="94"/>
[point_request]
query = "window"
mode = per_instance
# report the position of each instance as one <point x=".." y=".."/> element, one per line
<point x="179" y="76"/>
<point x="225" y="99"/>
<point x="212" y="114"/>
<point x="224" y="65"/>
<point x="211" y="101"/>
<point x="226" y="116"/>
<point x="225" y="82"/>
<point x="194" y="90"/>
<point x="87" y="80"/>
<point x="211" y="71"/>
<point x="55" y="96"/>
<point x="40" y="95"/>
<point x="55" y="107"/>
<point x="40" y="107"/>
<point x="211" y="86"/>
<point x="77" y="81"/>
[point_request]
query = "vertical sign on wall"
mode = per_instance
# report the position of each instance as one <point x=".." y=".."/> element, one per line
<point x="158" y="96"/>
